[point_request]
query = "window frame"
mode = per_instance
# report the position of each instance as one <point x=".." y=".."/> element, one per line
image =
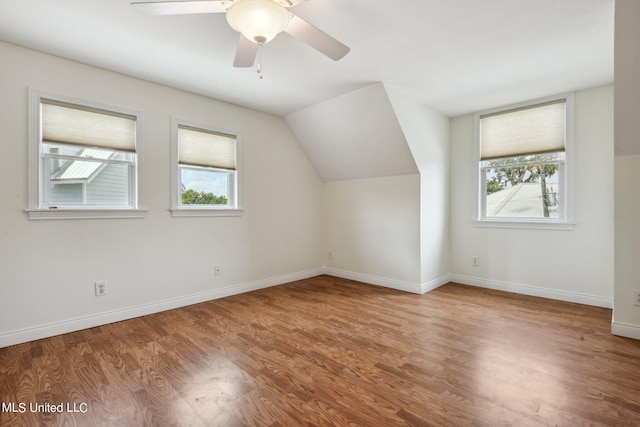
<point x="180" y="210"/>
<point x="565" y="184"/>
<point x="39" y="182"/>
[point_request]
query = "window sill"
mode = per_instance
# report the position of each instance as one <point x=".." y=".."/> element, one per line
<point x="524" y="224"/>
<point x="179" y="213"/>
<point x="39" y="214"/>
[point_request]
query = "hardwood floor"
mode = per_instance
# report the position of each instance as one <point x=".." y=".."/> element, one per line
<point x="333" y="352"/>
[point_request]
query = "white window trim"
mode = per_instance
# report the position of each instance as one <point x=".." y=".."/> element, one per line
<point x="35" y="190"/>
<point x="564" y="223"/>
<point x="179" y="210"/>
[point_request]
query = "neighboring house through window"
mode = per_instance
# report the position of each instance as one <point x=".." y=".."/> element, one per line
<point x="205" y="171"/>
<point x="524" y="160"/>
<point x="84" y="159"/>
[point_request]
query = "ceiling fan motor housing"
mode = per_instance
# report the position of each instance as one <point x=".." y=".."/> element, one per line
<point x="258" y="20"/>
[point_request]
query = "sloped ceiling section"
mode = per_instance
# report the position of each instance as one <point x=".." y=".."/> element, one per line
<point x="353" y="136"/>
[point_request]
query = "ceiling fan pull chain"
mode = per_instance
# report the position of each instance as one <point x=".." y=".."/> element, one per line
<point x="259" y="62"/>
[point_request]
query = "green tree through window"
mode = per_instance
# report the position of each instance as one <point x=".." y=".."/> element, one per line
<point x="192" y="197"/>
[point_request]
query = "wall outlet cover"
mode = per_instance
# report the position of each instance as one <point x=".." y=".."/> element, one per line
<point x="101" y="288"/>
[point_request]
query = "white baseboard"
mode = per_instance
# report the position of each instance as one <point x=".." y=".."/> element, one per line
<point x="435" y="284"/>
<point x="76" y="324"/>
<point x="374" y="280"/>
<point x="71" y="325"/>
<point x="625" y="330"/>
<point x="534" y="291"/>
<point x="388" y="283"/>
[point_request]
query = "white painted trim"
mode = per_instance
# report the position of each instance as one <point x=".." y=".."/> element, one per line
<point x="625" y="330"/>
<point x="374" y="280"/>
<point x="435" y="283"/>
<point x="389" y="283"/>
<point x="178" y="210"/>
<point x="533" y="225"/>
<point x="38" y="214"/>
<point x="36" y="185"/>
<point x="567" y="180"/>
<point x="534" y="291"/>
<point x="71" y="325"/>
<point x="182" y="212"/>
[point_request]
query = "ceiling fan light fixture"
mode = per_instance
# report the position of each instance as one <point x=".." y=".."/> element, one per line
<point x="258" y="20"/>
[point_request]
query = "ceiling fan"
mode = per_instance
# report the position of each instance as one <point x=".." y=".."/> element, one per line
<point x="257" y="21"/>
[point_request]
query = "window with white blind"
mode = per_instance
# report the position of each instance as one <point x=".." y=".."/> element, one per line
<point x="205" y="171"/>
<point x="84" y="159"/>
<point x="524" y="155"/>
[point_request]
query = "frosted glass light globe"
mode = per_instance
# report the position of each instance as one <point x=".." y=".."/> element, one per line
<point x="258" y="20"/>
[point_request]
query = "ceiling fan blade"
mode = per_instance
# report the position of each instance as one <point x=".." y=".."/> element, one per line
<point x="316" y="38"/>
<point x="245" y="53"/>
<point x="181" y="7"/>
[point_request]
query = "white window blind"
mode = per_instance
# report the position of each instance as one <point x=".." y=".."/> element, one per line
<point x="531" y="130"/>
<point x="197" y="147"/>
<point x="69" y="124"/>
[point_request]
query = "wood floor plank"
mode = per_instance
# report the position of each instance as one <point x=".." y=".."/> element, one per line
<point x="327" y="351"/>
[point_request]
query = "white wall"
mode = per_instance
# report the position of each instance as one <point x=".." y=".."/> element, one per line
<point x="394" y="230"/>
<point x="626" y="316"/>
<point x="47" y="268"/>
<point x="372" y="228"/>
<point x="401" y="231"/>
<point x="574" y="265"/>
<point x="427" y="134"/>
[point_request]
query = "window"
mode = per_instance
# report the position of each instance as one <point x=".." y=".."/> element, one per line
<point x="205" y="171"/>
<point x="84" y="160"/>
<point x="524" y="163"/>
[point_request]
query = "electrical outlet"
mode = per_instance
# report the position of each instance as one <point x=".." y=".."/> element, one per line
<point x="217" y="270"/>
<point x="636" y="298"/>
<point x="101" y="288"/>
<point x="475" y="261"/>
<point x="330" y="255"/>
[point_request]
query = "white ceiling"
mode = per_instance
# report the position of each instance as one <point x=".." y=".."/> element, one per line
<point x="456" y="56"/>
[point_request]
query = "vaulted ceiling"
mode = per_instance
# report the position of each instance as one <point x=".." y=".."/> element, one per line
<point x="454" y="56"/>
<point x="356" y="135"/>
